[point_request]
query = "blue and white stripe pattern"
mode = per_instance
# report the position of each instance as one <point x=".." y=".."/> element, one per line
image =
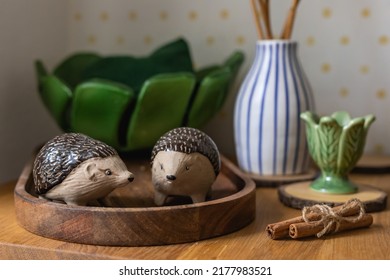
<point x="269" y="134"/>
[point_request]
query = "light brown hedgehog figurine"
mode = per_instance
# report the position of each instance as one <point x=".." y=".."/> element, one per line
<point x="185" y="162"/>
<point x="77" y="169"/>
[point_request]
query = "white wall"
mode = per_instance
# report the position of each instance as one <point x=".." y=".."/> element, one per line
<point x="28" y="30"/>
<point x="344" y="47"/>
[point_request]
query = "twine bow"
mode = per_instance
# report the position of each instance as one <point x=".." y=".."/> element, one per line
<point x="330" y="218"/>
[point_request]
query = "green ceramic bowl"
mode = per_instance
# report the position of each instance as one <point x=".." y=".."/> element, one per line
<point x="129" y="102"/>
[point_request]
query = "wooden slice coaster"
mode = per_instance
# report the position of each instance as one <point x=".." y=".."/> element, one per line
<point x="300" y="194"/>
<point x="373" y="164"/>
<point x="278" y="180"/>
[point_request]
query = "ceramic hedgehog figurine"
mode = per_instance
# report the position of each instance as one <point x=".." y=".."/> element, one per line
<point x="185" y="162"/>
<point x="76" y="169"/>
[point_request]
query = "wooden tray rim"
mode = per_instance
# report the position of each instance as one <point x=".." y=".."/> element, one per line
<point x="247" y="191"/>
<point x="26" y="173"/>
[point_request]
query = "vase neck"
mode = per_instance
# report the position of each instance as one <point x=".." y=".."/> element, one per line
<point x="276" y="48"/>
<point x="276" y="42"/>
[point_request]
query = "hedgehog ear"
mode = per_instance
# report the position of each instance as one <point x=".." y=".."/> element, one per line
<point x="90" y="171"/>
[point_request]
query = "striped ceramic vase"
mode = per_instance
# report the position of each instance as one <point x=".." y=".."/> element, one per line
<point x="269" y="134"/>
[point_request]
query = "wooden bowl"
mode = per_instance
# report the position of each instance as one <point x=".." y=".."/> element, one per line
<point x="129" y="217"/>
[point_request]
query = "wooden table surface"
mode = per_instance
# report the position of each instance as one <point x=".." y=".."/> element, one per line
<point x="251" y="242"/>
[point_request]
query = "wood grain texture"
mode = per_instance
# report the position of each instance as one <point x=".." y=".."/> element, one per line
<point x="373" y="164"/>
<point x="278" y="180"/>
<point x="251" y="242"/>
<point x="299" y="195"/>
<point x="129" y="217"/>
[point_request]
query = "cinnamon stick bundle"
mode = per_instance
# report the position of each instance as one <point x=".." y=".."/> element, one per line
<point x="351" y="215"/>
<point x="304" y="229"/>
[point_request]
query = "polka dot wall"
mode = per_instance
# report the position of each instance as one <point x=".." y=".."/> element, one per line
<point x="344" y="47"/>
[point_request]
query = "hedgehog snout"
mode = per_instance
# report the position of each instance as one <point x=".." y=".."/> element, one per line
<point x="130" y="178"/>
<point x="171" y="177"/>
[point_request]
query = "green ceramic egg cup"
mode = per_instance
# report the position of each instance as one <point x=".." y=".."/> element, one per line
<point x="335" y="143"/>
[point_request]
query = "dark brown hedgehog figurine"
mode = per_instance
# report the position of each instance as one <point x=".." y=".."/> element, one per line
<point x="185" y="162"/>
<point x="76" y="169"/>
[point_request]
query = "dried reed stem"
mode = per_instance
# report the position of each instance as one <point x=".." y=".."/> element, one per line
<point x="256" y="16"/>
<point x="288" y="26"/>
<point x="264" y="5"/>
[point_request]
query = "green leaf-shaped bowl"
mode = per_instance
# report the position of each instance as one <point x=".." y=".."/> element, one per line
<point x="129" y="102"/>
